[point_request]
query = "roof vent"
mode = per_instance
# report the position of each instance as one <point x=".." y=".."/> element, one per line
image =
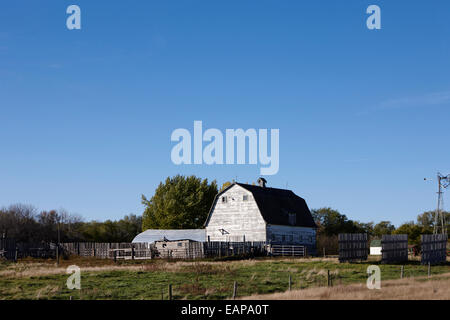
<point x="262" y="182"/>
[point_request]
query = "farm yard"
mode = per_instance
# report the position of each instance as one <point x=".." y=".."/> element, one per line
<point x="255" y="241"/>
<point x="213" y="279"/>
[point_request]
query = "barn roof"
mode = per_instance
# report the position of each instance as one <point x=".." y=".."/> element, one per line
<point x="276" y="205"/>
<point x="152" y="235"/>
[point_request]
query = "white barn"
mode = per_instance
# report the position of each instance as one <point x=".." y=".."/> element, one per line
<point x="243" y="212"/>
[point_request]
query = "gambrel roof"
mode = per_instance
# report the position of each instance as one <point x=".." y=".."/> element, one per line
<point x="276" y="205"/>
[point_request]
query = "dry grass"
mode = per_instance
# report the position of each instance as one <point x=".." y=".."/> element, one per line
<point x="35" y="268"/>
<point x="423" y="288"/>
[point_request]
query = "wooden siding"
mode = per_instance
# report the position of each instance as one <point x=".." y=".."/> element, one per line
<point x="237" y="217"/>
<point x="242" y="221"/>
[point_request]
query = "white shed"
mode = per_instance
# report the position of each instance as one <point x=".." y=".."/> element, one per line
<point x="375" y="248"/>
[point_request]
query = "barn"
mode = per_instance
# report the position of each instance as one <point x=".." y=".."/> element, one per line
<point x="243" y="212"/>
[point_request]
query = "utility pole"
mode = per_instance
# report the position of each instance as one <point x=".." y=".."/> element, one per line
<point x="59" y="240"/>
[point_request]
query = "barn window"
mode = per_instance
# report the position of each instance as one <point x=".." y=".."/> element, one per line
<point x="180" y="244"/>
<point x="292" y="219"/>
<point x="245" y="198"/>
<point x="224" y="199"/>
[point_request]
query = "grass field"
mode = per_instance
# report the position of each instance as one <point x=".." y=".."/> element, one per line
<point x="103" y="279"/>
<point x="419" y="288"/>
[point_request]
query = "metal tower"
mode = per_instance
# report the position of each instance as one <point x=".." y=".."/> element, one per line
<point x="439" y="217"/>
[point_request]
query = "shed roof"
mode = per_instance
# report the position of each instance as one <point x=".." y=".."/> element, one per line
<point x="276" y="205"/>
<point x="152" y="235"/>
<point x="375" y="243"/>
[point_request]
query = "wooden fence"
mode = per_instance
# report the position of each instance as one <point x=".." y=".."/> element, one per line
<point x="394" y="248"/>
<point x="8" y="249"/>
<point x="12" y="250"/>
<point x="223" y="249"/>
<point x="130" y="254"/>
<point x="191" y="250"/>
<point x="353" y="247"/>
<point x="434" y="248"/>
<point x="100" y="250"/>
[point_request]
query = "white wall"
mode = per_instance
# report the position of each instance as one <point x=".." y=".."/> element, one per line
<point x="238" y="217"/>
<point x="375" y="251"/>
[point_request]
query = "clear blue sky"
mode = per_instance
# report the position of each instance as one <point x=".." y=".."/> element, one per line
<point x="86" y="115"/>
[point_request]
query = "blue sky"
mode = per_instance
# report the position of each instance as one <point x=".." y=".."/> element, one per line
<point x="87" y="114"/>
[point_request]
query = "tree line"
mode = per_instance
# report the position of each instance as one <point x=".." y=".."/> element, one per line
<point x="180" y="202"/>
<point x="331" y="222"/>
<point x="25" y="224"/>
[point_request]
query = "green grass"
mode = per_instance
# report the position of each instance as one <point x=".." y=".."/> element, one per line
<point x="199" y="280"/>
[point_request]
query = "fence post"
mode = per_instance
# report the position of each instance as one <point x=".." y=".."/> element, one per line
<point x="429" y="269"/>
<point x="16" y="254"/>
<point x="328" y="277"/>
<point x="324" y="252"/>
<point x="115" y="255"/>
<point x="401" y="272"/>
<point x="170" y="291"/>
<point x="132" y="252"/>
<point x="57" y="255"/>
<point x="290" y="281"/>
<point x="234" y="290"/>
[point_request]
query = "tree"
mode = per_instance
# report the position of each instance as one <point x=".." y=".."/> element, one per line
<point x="413" y="231"/>
<point x="22" y="223"/>
<point x="332" y="222"/>
<point x="426" y="220"/>
<point x="123" y="230"/>
<point x="364" y="227"/>
<point x="179" y="203"/>
<point x="225" y="185"/>
<point x="18" y="221"/>
<point x="383" y="227"/>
